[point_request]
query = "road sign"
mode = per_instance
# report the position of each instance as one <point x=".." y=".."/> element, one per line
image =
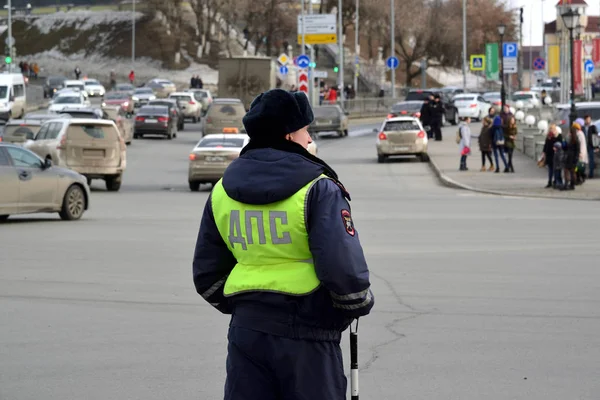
<point x="10" y="41"/>
<point x="510" y="50"/>
<point x="283" y="70"/>
<point x="510" y="65"/>
<point x="588" y="49"/>
<point x="303" y="80"/>
<point x="539" y="64"/>
<point x="318" y="29"/>
<point x="392" y="62"/>
<point x="589" y="67"/>
<point x="477" y="62"/>
<point x="491" y="64"/>
<point x="539" y="74"/>
<point x="283" y="59"/>
<point x="3" y="28"/>
<point x="320" y="74"/>
<point x="303" y="61"/>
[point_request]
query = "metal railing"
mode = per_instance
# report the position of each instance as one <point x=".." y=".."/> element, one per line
<point x="366" y="107"/>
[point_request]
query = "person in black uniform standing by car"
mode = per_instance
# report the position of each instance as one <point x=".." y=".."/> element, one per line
<point x="426" y="116"/>
<point x="436" y="110"/>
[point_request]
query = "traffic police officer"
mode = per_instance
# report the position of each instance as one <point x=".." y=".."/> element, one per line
<point x="278" y="250"/>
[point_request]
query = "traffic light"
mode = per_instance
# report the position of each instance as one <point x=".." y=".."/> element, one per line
<point x="335" y="69"/>
<point x="8" y="60"/>
<point x="312" y="65"/>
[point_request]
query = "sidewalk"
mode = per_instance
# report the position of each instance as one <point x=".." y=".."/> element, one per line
<point x="528" y="180"/>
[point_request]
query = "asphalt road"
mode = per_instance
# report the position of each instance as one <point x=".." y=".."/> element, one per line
<point x="476" y="296"/>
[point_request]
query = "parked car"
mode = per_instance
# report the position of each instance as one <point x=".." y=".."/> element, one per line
<point x="329" y="119"/>
<point x="92" y="147"/>
<point x="29" y="184"/>
<point x="471" y="105"/>
<point x="402" y="136"/>
<point x="154" y="120"/>
<point x="94" y="88"/>
<point x="174" y="110"/>
<point x="122" y="119"/>
<point x="53" y="84"/>
<point x="122" y="99"/>
<point x="410" y="108"/>
<point x="68" y="100"/>
<point x="161" y="87"/>
<point x="18" y="131"/>
<point x="141" y="96"/>
<point x="450" y="110"/>
<point x="203" y="96"/>
<point x="530" y="99"/>
<point x="190" y="106"/>
<point x="212" y="155"/>
<point x="224" y="116"/>
<point x="561" y="114"/>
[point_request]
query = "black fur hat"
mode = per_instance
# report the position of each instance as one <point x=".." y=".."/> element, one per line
<point x="277" y="112"/>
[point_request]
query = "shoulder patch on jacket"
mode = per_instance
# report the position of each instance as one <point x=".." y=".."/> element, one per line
<point x="348" y="223"/>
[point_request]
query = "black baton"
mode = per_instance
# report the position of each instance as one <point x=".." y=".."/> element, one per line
<point x="354" y="362"/>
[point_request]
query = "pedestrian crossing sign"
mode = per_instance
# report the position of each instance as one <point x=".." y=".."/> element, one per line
<point x="478" y="62"/>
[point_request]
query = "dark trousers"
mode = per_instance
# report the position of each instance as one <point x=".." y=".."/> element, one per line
<point x="436" y="128"/>
<point x="558" y="181"/>
<point x="551" y="173"/>
<point x="510" y="151"/>
<point x="496" y="150"/>
<point x="267" y="367"/>
<point x="592" y="162"/>
<point x="487" y="154"/>
<point x="463" y="163"/>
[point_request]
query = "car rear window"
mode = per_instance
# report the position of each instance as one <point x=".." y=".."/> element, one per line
<point x="181" y="97"/>
<point x="395" y="126"/>
<point x="418" y="95"/>
<point x="201" y="95"/>
<point x="75" y="114"/>
<point x="326" y="112"/>
<point x="524" y="96"/>
<point x="153" y="110"/>
<point x="19" y="132"/>
<point x="92" y="131"/>
<point x="230" y="110"/>
<point x="399" y="107"/>
<point x="222" y="142"/>
<point x="68" y="100"/>
<point x="462" y="98"/>
<point x="113" y="96"/>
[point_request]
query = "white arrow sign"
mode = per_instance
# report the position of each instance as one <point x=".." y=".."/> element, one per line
<point x="588" y="49"/>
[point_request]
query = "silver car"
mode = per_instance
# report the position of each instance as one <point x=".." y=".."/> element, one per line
<point x="29" y="184"/>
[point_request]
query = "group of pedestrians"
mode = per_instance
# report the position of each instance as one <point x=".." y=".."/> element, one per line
<point x="196" y="82"/>
<point x="497" y="137"/>
<point x="570" y="160"/>
<point x="432" y="117"/>
<point x="30" y="70"/>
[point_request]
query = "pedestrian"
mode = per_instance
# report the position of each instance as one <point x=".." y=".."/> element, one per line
<point x="278" y="250"/>
<point x="583" y="153"/>
<point x="113" y="79"/>
<point x="549" y="155"/>
<point x="332" y="95"/>
<point x="437" y="112"/>
<point x="464" y="144"/>
<point x="131" y="77"/>
<point x="426" y="116"/>
<point x="558" y="164"/>
<point x="593" y="144"/>
<point x="193" y="82"/>
<point x="510" y="135"/>
<point x="506" y="115"/>
<point x="199" y="83"/>
<point x="571" y="158"/>
<point x="485" y="142"/>
<point x="77" y="72"/>
<point x="498" y="142"/>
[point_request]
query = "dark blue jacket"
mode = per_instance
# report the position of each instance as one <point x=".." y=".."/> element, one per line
<point x="264" y="176"/>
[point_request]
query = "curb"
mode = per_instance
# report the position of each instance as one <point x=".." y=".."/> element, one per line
<point x="451" y="183"/>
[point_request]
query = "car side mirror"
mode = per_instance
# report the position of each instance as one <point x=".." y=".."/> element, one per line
<point x="47" y="163"/>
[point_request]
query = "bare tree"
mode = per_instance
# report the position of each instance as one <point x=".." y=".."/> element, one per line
<point x="269" y="23"/>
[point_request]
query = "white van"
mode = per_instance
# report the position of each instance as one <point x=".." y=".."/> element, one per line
<point x="12" y="96"/>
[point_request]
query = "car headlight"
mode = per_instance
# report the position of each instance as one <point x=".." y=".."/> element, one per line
<point x="126" y="104"/>
<point x="135" y="99"/>
<point x="103" y="104"/>
<point x="152" y="97"/>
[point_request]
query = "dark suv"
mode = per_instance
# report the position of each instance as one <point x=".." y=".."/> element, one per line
<point x="52" y="85"/>
<point x="450" y="111"/>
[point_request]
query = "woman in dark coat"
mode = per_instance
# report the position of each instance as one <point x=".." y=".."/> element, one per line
<point x="485" y="143"/>
<point x="548" y="153"/>
<point x="572" y="158"/>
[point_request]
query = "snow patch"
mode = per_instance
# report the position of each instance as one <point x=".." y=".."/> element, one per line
<point x="81" y="20"/>
<point x="454" y="77"/>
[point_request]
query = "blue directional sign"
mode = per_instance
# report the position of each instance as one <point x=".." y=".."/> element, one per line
<point x="283" y="70"/>
<point x="539" y="64"/>
<point x="392" y="62"/>
<point x="303" y="61"/>
<point x="510" y="49"/>
<point x="589" y="66"/>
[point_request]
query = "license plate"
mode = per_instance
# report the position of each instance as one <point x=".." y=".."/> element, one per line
<point x="151" y="121"/>
<point x="93" y="152"/>
<point x="401" y="148"/>
<point x="323" y="122"/>
<point x="215" y="159"/>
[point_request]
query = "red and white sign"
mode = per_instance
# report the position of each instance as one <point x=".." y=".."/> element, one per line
<point x="578" y="66"/>
<point x="596" y="52"/>
<point x="303" y="80"/>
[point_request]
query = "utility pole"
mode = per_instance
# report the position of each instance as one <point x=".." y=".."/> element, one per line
<point x="356" y="50"/>
<point x="311" y="89"/>
<point x="393" y="49"/>
<point x="464" y="57"/>
<point x="520" y="75"/>
<point x="341" y="54"/>
<point x="303" y="24"/>
<point x="133" y="35"/>
<point x="531" y="46"/>
<point x="10" y="44"/>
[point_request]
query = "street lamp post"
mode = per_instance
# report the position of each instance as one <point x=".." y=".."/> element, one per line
<point x="571" y="20"/>
<point x="501" y="31"/>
